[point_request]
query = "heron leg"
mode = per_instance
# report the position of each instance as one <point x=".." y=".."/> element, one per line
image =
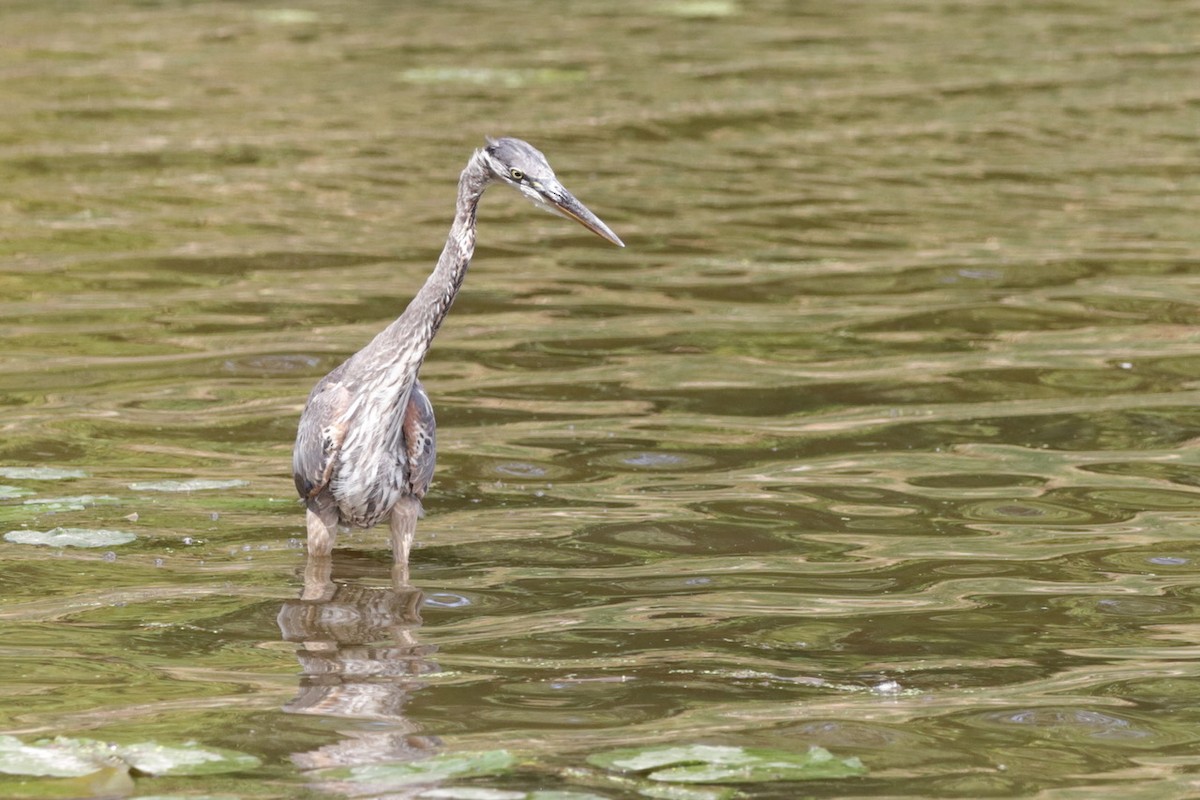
<point x="403" y="525"/>
<point x="321" y="521"/>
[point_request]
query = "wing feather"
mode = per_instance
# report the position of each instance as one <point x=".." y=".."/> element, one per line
<point x="320" y="436"/>
<point x="420" y="440"/>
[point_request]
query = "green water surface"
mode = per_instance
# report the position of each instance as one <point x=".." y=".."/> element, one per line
<point x="879" y="436"/>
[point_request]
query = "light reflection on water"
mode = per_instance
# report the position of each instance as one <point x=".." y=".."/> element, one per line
<point x="895" y="385"/>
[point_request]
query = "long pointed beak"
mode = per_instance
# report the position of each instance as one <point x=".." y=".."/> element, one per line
<point x="557" y="199"/>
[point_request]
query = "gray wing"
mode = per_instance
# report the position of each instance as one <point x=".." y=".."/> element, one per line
<point x="320" y="435"/>
<point x="420" y="441"/>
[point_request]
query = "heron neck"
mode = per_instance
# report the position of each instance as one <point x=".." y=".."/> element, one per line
<point x="405" y="342"/>
<point x="433" y="301"/>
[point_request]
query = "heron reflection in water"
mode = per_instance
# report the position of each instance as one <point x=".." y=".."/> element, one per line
<point x="360" y="659"/>
<point x="366" y="446"/>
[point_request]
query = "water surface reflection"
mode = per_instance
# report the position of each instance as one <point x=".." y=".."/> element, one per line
<point x="360" y="659"/>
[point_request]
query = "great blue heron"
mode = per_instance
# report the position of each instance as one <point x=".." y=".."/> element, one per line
<point x="365" y="448"/>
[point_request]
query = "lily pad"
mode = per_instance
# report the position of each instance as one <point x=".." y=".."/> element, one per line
<point x="44" y="761"/>
<point x="700" y="763"/>
<point x="40" y="473"/>
<point x="699" y="9"/>
<point x="190" y="485"/>
<point x="473" y="793"/>
<point x="429" y="770"/>
<point x="484" y="76"/>
<point x="157" y="759"/>
<point x="54" y="505"/>
<point x="287" y="16"/>
<point x="71" y="537"/>
<point x="681" y="791"/>
<point x="64" y="757"/>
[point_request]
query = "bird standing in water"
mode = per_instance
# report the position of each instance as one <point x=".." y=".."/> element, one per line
<point x="365" y="447"/>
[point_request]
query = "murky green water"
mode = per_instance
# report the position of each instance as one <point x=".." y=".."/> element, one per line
<point x="879" y="436"/>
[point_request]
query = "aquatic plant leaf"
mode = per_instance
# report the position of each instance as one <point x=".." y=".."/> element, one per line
<point x="642" y="759"/>
<point x="472" y="793"/>
<point x="699" y="9"/>
<point x="722" y="764"/>
<point x="67" y="757"/>
<point x="71" y="537"/>
<point x="429" y="770"/>
<point x="54" y="505"/>
<point x="47" y="760"/>
<point x="40" y="473"/>
<point x="287" y="16"/>
<point x="484" y="76"/>
<point x="190" y="759"/>
<point x="680" y="791"/>
<point x="190" y="485"/>
<point x="475" y="793"/>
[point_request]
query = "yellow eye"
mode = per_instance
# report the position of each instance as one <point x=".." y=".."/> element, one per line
<point x="516" y="174"/>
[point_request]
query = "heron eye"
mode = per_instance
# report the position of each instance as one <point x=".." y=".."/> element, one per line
<point x="516" y="174"/>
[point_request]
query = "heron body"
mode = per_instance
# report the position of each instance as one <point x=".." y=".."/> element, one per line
<point x="366" y="444"/>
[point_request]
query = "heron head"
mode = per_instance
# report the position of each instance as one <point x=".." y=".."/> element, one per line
<point x="523" y="167"/>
